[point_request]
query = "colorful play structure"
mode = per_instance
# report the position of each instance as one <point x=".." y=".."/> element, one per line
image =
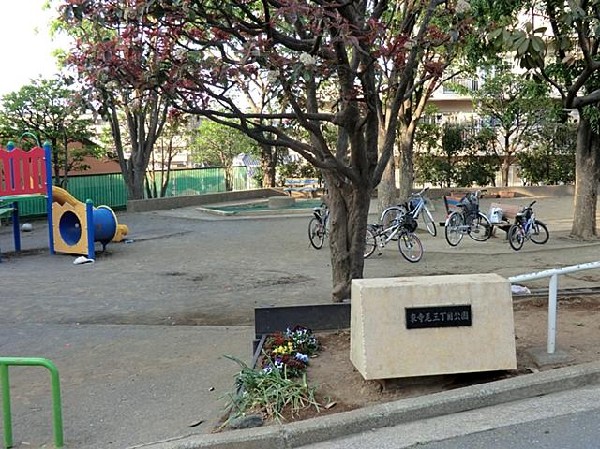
<point x="73" y="226"/>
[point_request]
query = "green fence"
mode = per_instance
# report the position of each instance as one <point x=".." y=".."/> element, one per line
<point x="110" y="189"/>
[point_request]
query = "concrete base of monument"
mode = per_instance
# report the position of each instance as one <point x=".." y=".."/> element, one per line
<point x="542" y="359"/>
<point x="429" y="325"/>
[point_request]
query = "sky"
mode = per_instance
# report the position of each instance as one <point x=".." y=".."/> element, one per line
<point x="25" y="45"/>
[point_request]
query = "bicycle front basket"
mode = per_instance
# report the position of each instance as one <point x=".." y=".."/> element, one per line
<point x="471" y="203"/>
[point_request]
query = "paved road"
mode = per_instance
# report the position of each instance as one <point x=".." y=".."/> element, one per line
<point x="569" y="419"/>
<point x="139" y="337"/>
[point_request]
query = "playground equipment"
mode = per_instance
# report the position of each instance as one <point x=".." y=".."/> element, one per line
<point x="73" y="226"/>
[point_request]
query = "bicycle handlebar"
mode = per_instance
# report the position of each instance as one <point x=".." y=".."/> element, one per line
<point x="421" y="193"/>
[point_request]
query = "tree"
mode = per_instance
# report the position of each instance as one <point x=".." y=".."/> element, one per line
<point x="217" y="144"/>
<point x="123" y="55"/>
<point x="456" y="154"/>
<point x="262" y="97"/>
<point x="551" y="156"/>
<point x="514" y="106"/>
<point x="461" y="56"/>
<point x="478" y="164"/>
<point x="50" y="110"/>
<point x="175" y="136"/>
<point x="452" y="147"/>
<point x="452" y="34"/>
<point x="559" y="44"/>
<point x="328" y="60"/>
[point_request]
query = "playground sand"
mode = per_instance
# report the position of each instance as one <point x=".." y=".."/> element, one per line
<point x="139" y="337"/>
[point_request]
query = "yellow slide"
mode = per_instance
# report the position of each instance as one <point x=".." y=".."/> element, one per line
<point x="62" y="198"/>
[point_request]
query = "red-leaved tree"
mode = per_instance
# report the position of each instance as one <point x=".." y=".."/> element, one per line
<point x="123" y="56"/>
<point x="343" y="68"/>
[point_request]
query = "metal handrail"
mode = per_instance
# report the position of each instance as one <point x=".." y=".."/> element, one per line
<point x="553" y="293"/>
<point x="5" y="362"/>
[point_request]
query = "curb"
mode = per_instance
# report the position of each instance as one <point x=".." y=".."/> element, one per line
<point x="390" y="414"/>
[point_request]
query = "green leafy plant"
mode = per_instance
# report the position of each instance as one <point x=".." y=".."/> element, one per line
<point x="280" y="385"/>
<point x="298" y="170"/>
<point x="269" y="392"/>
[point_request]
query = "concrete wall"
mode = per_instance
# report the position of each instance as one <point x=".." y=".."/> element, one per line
<point x="565" y="190"/>
<point x="212" y="198"/>
<point x="175" y="202"/>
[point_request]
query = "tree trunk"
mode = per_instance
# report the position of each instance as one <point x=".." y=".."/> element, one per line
<point x="587" y="172"/>
<point x="405" y="143"/>
<point x="228" y="178"/>
<point x="504" y="170"/>
<point x="387" y="193"/>
<point x="268" y="162"/>
<point x="136" y="176"/>
<point x="348" y="206"/>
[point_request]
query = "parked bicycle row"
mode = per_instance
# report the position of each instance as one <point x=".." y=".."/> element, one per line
<point x="463" y="217"/>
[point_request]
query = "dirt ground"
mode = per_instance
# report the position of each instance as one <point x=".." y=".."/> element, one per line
<point x="184" y="270"/>
<point x="338" y="382"/>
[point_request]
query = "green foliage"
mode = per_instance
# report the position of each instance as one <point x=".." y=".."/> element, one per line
<point x="269" y="392"/>
<point x="296" y="169"/>
<point x="478" y="163"/>
<point x="51" y="110"/>
<point x="216" y="144"/>
<point x="281" y="384"/>
<point x="551" y="158"/>
<point x="512" y="103"/>
<point x="464" y="158"/>
<point x="592" y="114"/>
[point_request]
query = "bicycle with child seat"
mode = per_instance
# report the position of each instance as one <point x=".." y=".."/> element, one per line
<point x="416" y="206"/>
<point x="526" y="227"/>
<point x="401" y="229"/>
<point x="318" y="226"/>
<point x="467" y="220"/>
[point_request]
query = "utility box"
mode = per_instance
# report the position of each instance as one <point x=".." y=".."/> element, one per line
<point x="429" y="325"/>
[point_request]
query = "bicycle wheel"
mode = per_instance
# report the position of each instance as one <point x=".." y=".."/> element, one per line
<point x="516" y="237"/>
<point x="392" y="214"/>
<point x="410" y="246"/>
<point x="316" y="233"/>
<point x="429" y="223"/>
<point x="539" y="233"/>
<point x="480" y="229"/>
<point x="453" y="228"/>
<point x="370" y="242"/>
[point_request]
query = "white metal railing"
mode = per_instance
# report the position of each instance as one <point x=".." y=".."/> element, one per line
<point x="552" y="293"/>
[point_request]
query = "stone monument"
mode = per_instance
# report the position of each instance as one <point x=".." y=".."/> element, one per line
<point x="428" y="325"/>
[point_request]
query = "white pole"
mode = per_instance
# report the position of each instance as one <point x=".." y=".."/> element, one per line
<point x="552" y="312"/>
<point x="548" y="273"/>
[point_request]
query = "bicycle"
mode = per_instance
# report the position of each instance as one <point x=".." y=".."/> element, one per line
<point x="401" y="229"/>
<point x="318" y="227"/>
<point x="526" y="227"/>
<point x="467" y="220"/>
<point x="415" y="206"/>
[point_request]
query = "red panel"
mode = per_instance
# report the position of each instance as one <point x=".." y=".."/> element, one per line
<point x="22" y="172"/>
